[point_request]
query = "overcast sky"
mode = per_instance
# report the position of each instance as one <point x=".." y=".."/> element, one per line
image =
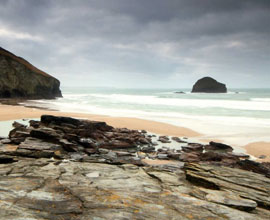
<point x="141" y="43"/>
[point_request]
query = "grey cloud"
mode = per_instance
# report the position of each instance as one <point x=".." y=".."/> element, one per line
<point x="155" y="39"/>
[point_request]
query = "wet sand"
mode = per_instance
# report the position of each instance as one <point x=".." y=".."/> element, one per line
<point x="10" y="112"/>
<point x="258" y="149"/>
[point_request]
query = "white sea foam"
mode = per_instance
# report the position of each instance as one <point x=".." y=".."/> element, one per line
<point x="236" y="118"/>
<point x="260" y="99"/>
<point x="198" y="103"/>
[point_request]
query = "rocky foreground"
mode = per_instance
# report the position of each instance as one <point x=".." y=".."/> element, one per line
<point x="65" y="168"/>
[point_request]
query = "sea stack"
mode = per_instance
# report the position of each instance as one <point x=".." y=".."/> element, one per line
<point x="209" y="85"/>
<point x="20" y="79"/>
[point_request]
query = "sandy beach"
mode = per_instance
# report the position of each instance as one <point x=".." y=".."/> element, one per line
<point x="259" y="149"/>
<point x="10" y="112"/>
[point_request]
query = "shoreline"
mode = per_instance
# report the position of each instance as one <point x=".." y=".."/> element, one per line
<point x="10" y="112"/>
<point x="15" y="112"/>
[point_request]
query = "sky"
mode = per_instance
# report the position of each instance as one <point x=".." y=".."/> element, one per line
<point x="142" y="43"/>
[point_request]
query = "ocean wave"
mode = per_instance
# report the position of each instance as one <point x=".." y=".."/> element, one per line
<point x="254" y="105"/>
<point x="260" y="99"/>
<point x="165" y="116"/>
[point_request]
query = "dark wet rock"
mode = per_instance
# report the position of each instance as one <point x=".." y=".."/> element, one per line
<point x="262" y="157"/>
<point x="147" y="149"/>
<point x="240" y="155"/>
<point x="179" y="92"/>
<point x="34" y="123"/>
<point x="250" y="165"/>
<point x="46" y="134"/>
<point x="190" y="157"/>
<point x="20" y="79"/>
<point x="87" y="142"/>
<point x="214" y="146"/>
<point x="75" y="135"/>
<point x="143" y="140"/>
<point x="193" y="147"/>
<point x="116" y="144"/>
<point x="19" y="131"/>
<point x="164" y="139"/>
<point x="224" y="158"/>
<point x="16" y="124"/>
<point x="18" y="135"/>
<point x="5" y="159"/>
<point x="173" y="155"/>
<point x="69" y="146"/>
<point x="209" y="85"/>
<point x="47" y="119"/>
<point x="177" y="139"/>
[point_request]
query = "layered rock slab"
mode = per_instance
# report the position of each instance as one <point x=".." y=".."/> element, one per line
<point x="49" y="189"/>
<point x="250" y="186"/>
<point x="85" y="180"/>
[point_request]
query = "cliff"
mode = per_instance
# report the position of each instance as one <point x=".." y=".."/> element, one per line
<point x="209" y="85"/>
<point x="20" y="79"/>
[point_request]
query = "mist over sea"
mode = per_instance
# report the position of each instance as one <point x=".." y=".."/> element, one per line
<point x="239" y="117"/>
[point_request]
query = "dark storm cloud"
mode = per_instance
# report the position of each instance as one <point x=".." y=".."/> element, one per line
<point x="108" y="42"/>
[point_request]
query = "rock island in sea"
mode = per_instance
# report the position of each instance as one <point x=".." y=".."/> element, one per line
<point x="209" y="85"/>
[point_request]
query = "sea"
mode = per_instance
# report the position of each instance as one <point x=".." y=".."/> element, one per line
<point x="238" y="117"/>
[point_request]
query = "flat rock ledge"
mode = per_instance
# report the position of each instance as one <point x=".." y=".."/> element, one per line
<point x="48" y="173"/>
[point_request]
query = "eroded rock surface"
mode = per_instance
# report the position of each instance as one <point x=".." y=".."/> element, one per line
<point x="62" y="168"/>
<point x="48" y="189"/>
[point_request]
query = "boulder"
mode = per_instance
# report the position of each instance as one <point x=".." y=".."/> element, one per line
<point x="164" y="139"/>
<point x="209" y="85"/>
<point x="191" y="147"/>
<point x="214" y="146"/>
<point x="177" y="139"/>
<point x="20" y="79"/>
